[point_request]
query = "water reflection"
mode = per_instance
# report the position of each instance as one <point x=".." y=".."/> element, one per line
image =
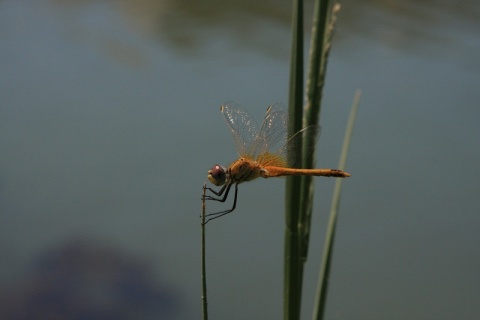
<point x="415" y="26"/>
<point x="426" y="27"/>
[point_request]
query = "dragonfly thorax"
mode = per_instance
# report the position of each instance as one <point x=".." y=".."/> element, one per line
<point x="244" y="169"/>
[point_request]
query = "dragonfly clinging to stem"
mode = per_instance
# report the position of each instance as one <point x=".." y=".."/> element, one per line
<point x="263" y="152"/>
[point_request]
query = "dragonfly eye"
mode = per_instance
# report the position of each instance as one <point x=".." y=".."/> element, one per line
<point x="217" y="175"/>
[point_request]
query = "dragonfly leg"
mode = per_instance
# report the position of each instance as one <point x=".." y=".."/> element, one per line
<point x="225" y="188"/>
<point x="222" y="213"/>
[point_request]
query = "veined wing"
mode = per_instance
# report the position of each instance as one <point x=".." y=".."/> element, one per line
<point x="270" y="143"/>
<point x="290" y="155"/>
<point x="273" y="147"/>
<point x="243" y="127"/>
<point x="300" y="144"/>
<point x="251" y="140"/>
<point x="272" y="134"/>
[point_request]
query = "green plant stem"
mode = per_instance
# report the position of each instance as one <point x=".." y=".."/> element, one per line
<point x="322" y="30"/>
<point x="293" y="269"/>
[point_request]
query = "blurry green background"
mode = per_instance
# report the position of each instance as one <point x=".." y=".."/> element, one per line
<point x="109" y="121"/>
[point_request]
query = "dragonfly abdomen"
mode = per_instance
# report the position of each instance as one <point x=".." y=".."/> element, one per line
<point x="268" y="172"/>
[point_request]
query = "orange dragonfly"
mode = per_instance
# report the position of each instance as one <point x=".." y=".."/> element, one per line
<point x="262" y="152"/>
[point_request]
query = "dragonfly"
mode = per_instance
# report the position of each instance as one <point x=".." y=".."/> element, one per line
<point x="264" y="151"/>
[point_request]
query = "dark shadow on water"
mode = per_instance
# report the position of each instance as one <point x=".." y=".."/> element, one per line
<point x="85" y="280"/>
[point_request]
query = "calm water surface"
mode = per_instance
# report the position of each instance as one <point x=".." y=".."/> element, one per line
<point x="109" y="121"/>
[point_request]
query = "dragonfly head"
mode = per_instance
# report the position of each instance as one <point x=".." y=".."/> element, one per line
<point x="217" y="175"/>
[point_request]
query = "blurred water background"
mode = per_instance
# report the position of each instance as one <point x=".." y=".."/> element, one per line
<point x="109" y="121"/>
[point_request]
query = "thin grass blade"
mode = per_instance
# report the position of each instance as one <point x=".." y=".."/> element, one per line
<point x="322" y="286"/>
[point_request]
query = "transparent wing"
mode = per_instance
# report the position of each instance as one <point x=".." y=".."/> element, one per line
<point x="243" y="127"/>
<point x="293" y="149"/>
<point x="269" y="144"/>
<point x="272" y="135"/>
<point x="273" y="146"/>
